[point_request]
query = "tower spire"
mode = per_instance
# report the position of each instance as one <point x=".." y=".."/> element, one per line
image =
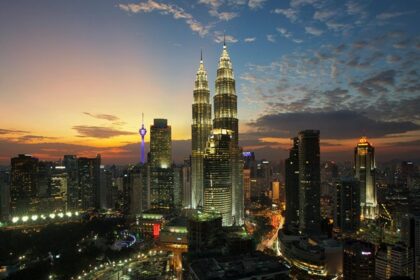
<point x="201" y="55"/>
<point x="224" y="40"/>
<point x="142" y="132"/>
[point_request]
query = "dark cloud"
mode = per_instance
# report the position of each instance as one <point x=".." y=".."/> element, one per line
<point x="12" y="131"/>
<point x="107" y="117"/>
<point x="333" y="125"/>
<point x="99" y="131"/>
<point x="27" y="138"/>
<point x="377" y="83"/>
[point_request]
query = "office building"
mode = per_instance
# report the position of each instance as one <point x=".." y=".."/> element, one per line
<point x="225" y="118"/>
<point x="200" y="131"/>
<point x="160" y="159"/>
<point x="358" y="260"/>
<point x="347" y="210"/>
<point x="292" y="184"/>
<point x="309" y="182"/>
<point x="73" y="189"/>
<point x="24" y="184"/>
<point x="217" y="175"/>
<point x="89" y="181"/>
<point x="364" y="171"/>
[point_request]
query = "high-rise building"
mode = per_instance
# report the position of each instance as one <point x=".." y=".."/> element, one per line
<point x="292" y="184"/>
<point x="24" y="184"/>
<point x="186" y="184"/>
<point x="225" y="118"/>
<point x="217" y="175"/>
<point x="358" y="260"/>
<point x="135" y="190"/>
<point x="73" y="189"/>
<point x="275" y="190"/>
<point x="160" y="159"/>
<point x="309" y="182"/>
<point x="200" y="131"/>
<point x="4" y="195"/>
<point x="247" y="185"/>
<point x="364" y="171"/>
<point x="89" y="181"/>
<point x="160" y="144"/>
<point x="347" y="210"/>
<point x="394" y="260"/>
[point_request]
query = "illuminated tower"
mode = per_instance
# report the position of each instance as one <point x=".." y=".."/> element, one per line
<point x="160" y="161"/>
<point x="200" y="131"/>
<point x="364" y="171"/>
<point x="217" y="175"/>
<point x="225" y="117"/>
<point x="142" y="132"/>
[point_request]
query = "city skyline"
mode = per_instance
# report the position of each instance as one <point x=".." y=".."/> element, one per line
<point x="316" y="60"/>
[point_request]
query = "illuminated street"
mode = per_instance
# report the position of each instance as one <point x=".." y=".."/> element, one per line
<point x="154" y="264"/>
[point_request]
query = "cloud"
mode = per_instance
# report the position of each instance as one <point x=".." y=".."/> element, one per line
<point x="378" y="82"/>
<point x="323" y="15"/>
<point x="103" y="116"/>
<point x="164" y="9"/>
<point x="284" y="32"/>
<point x="313" y="31"/>
<point x="256" y="4"/>
<point x="249" y="39"/>
<point x="271" y="38"/>
<point x="333" y="125"/>
<point x="218" y="37"/>
<point x="99" y="131"/>
<point x="30" y="138"/>
<point x="354" y="8"/>
<point x="386" y="16"/>
<point x="11" y="131"/>
<point x="298" y="3"/>
<point x="289" y="13"/>
<point x="214" y="10"/>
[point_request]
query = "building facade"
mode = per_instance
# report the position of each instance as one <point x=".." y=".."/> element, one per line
<point x="160" y="159"/>
<point x="292" y="184"/>
<point x="217" y="175"/>
<point x="225" y="118"/>
<point x="200" y="131"/>
<point x="309" y="182"/>
<point x="364" y="171"/>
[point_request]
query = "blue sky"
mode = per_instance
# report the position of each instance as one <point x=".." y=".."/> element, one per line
<point x="349" y="68"/>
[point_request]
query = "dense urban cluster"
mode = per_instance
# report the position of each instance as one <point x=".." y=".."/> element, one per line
<point x="221" y="214"/>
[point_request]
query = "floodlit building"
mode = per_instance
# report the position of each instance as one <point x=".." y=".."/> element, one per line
<point x="160" y="159"/>
<point x="200" y="131"/>
<point x="364" y="171"/>
<point x="225" y="118"/>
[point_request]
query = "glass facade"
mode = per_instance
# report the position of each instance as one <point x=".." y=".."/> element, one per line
<point x="200" y="131"/>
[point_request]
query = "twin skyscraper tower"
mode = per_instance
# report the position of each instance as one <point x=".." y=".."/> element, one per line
<point x="216" y="165"/>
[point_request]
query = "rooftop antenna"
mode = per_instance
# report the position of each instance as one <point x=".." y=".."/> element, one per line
<point x="142" y="132"/>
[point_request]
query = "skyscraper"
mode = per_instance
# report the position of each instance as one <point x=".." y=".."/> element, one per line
<point x="89" y="177"/>
<point x="347" y="210"/>
<point x="24" y="184"/>
<point x="364" y="171"/>
<point x="358" y="260"/>
<point x="200" y="131"/>
<point x="225" y="117"/>
<point x="292" y="184"/>
<point x="309" y="182"/>
<point x="160" y="144"/>
<point x="73" y="189"/>
<point x="217" y="175"/>
<point x="160" y="159"/>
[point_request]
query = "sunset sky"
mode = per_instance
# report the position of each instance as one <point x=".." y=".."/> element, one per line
<point x="75" y="76"/>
